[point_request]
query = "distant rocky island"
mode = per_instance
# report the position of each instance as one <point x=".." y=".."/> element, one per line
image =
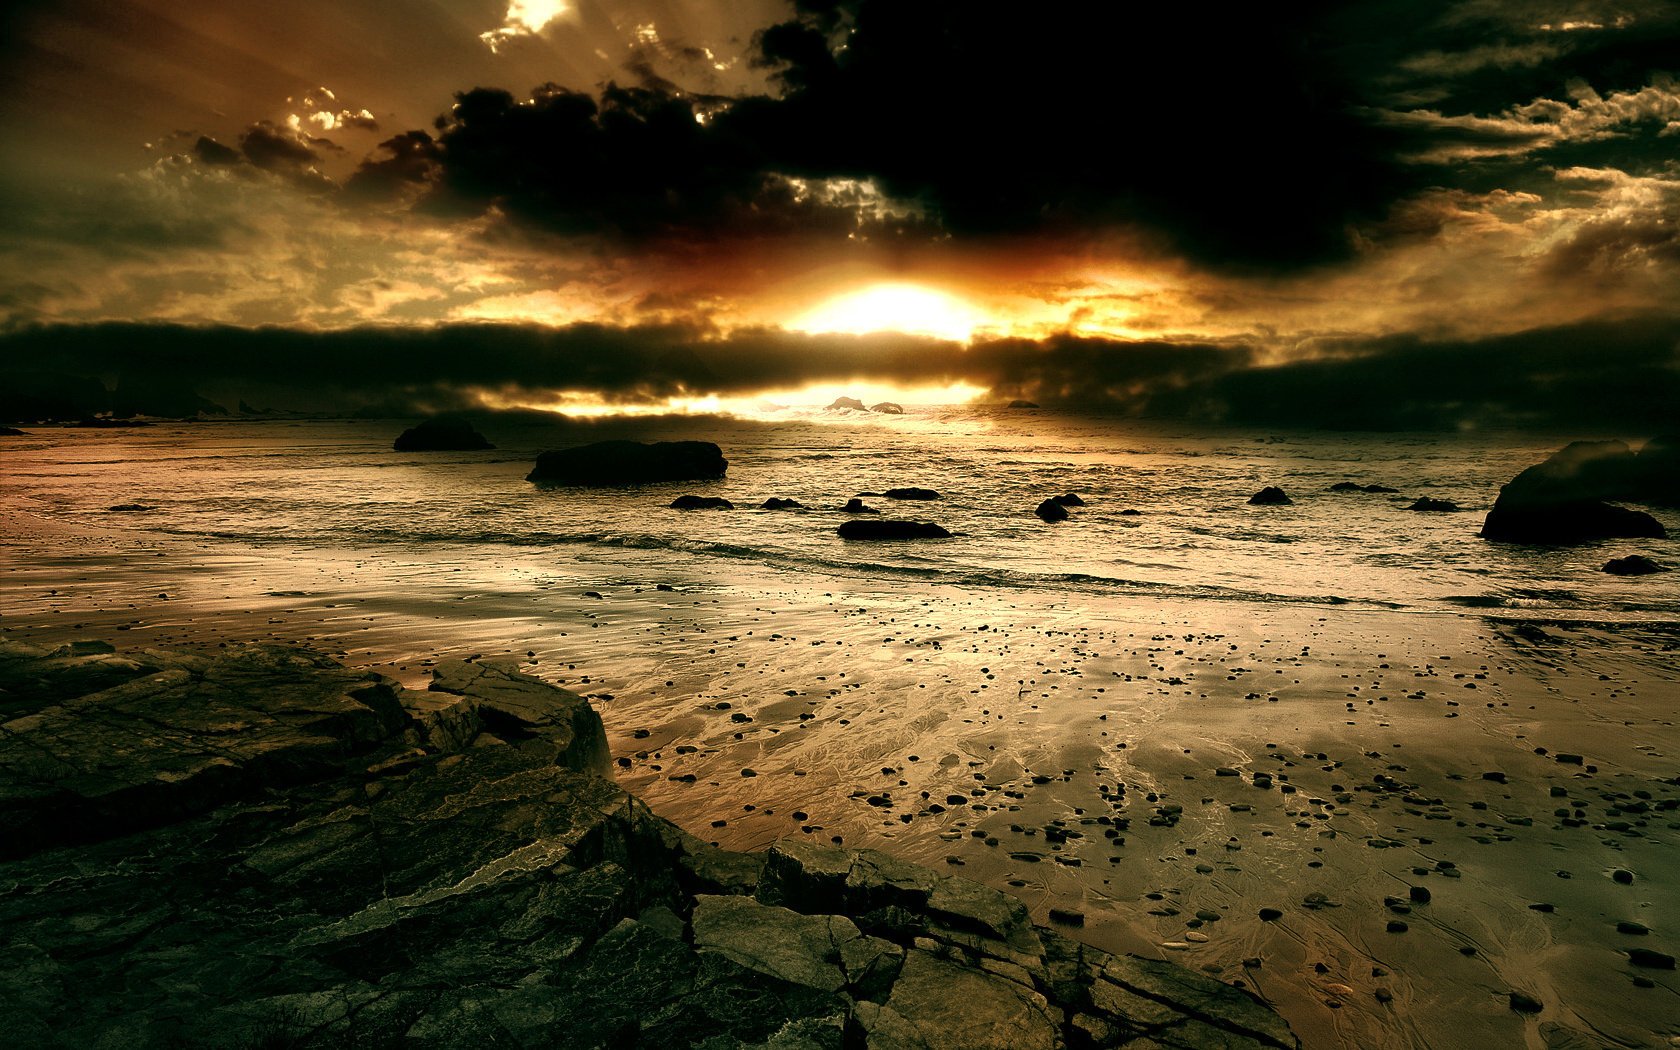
<point x="303" y="855"/>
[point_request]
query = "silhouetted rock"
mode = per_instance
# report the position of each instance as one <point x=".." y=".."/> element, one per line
<point x="1633" y="565"/>
<point x="142" y="395"/>
<point x="848" y="402"/>
<point x="687" y="502"/>
<point x="34" y="397"/>
<point x="1439" y="506"/>
<point x="11" y="432"/>
<point x="1070" y="499"/>
<point x="911" y="493"/>
<point x="857" y="506"/>
<point x="890" y="529"/>
<point x="778" y="503"/>
<point x="1051" y="510"/>
<point x="1270" y="496"/>
<point x="248" y="409"/>
<point x="1131" y="512"/>
<point x="129" y="508"/>
<point x="1019" y="403"/>
<point x="630" y="463"/>
<point x="888" y="408"/>
<point x="304" y="855"/>
<point x="1354" y="486"/>
<point x="442" y="434"/>
<point x="1563" y="500"/>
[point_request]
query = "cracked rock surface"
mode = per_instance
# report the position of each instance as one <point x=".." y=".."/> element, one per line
<point x="261" y="848"/>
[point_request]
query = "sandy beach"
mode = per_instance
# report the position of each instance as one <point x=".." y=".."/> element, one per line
<point x="1382" y="822"/>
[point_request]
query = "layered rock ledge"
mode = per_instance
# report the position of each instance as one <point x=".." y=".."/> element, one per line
<point x="259" y="847"/>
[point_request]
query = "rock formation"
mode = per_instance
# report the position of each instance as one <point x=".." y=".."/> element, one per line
<point x="1018" y="403"/>
<point x="441" y="434"/>
<point x="888" y="408"/>
<point x="851" y="403"/>
<point x="1437" y="506"/>
<point x="1634" y="565"/>
<point x="778" y="503"/>
<point x="857" y="506"/>
<point x="630" y="463"/>
<point x="1052" y="510"/>
<point x="911" y="493"/>
<point x="262" y="848"/>
<point x="890" y="529"/>
<point x="1270" y="496"/>
<point x="1565" y="499"/>
<point x="687" y="502"/>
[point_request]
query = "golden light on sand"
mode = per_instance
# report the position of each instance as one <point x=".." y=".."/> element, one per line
<point x="912" y="309"/>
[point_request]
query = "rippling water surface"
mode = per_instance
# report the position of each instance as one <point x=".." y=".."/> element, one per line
<point x="1194" y="535"/>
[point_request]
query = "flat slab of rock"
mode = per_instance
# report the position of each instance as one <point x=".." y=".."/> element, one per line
<point x="891" y="529"/>
<point x="630" y="463"/>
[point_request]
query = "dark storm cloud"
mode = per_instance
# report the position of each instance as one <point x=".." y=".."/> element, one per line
<point x="1241" y="147"/>
<point x="1600" y="376"/>
<point x="273" y="148"/>
<point x="211" y="152"/>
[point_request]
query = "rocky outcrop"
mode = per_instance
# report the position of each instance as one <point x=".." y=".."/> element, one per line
<point x="630" y="463"/>
<point x="850" y="403"/>
<point x="456" y="872"/>
<point x="690" y="502"/>
<point x="856" y="505"/>
<point x="778" y="503"/>
<point x="1069" y="499"/>
<point x="890" y="529"/>
<point x="1271" y="496"/>
<point x="891" y="408"/>
<point x="1634" y="565"/>
<point x="1567" y="498"/>
<point x="1019" y="403"/>
<point x="442" y="434"/>
<point x="911" y="494"/>
<point x="1052" y="510"/>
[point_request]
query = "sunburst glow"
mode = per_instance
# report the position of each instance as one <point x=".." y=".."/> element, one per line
<point x="912" y="309"/>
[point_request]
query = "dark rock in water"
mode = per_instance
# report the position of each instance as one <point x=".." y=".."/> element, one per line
<point x="1131" y="512"/>
<point x="1270" y="496"/>
<point x="1379" y="488"/>
<point x="1634" y="565"/>
<point x="1563" y="500"/>
<point x="130" y="508"/>
<point x="451" y="868"/>
<point x="442" y="434"/>
<point x="857" y="506"/>
<point x="848" y="402"/>
<point x="1052" y="510"/>
<point x="1070" y="499"/>
<point x="778" y="503"/>
<point x="12" y="432"/>
<point x="687" y="502"/>
<point x="630" y="463"/>
<point x="1018" y="403"/>
<point x="888" y="408"/>
<point x="890" y="529"/>
<point x="1439" y="506"/>
<point x="911" y="493"/>
<point x="1354" y="486"/>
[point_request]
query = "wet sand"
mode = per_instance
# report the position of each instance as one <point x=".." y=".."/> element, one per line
<point x="1400" y="787"/>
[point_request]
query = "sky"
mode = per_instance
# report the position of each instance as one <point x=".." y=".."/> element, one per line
<point x="1411" y="214"/>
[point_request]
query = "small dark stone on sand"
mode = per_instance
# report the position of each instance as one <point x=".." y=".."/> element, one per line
<point x="1623" y="876"/>
<point x="1068" y="917"/>
<point x="1419" y="894"/>
<point x="1525" y="1004"/>
<point x="1650" y="959"/>
<point x="1638" y="929"/>
<point x="1396" y="926"/>
<point x="1270" y="914"/>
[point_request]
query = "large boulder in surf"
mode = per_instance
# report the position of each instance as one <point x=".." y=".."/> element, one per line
<point x="1564" y="499"/>
<point x="851" y="403"/>
<point x="890" y="529"/>
<point x="441" y="434"/>
<point x="1270" y="496"/>
<point x="891" y="408"/>
<point x="1052" y="510"/>
<point x="778" y="503"/>
<point x="630" y="463"/>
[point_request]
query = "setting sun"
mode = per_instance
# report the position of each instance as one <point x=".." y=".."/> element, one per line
<point x="909" y="308"/>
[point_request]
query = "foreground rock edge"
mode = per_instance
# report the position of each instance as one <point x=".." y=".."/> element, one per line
<point x="454" y="868"/>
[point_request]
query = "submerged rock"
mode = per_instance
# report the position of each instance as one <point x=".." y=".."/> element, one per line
<point x="857" y="506"/>
<point x="689" y="502"/>
<point x="630" y="463"/>
<point x="1021" y="403"/>
<point x="1270" y="496"/>
<point x="1438" y="506"/>
<point x="1052" y="510"/>
<point x="890" y="408"/>
<point x="450" y="868"/>
<point x="890" y="529"/>
<point x="778" y="503"/>
<point x="442" y="434"/>
<point x="1354" y="486"/>
<point x="1564" y="499"/>
<point x="1634" y="565"/>
<point x="850" y="403"/>
<point x="1070" y="499"/>
<point x="911" y="493"/>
